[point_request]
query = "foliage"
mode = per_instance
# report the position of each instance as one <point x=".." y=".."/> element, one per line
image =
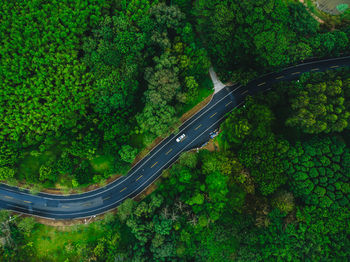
<point x="318" y="172"/>
<point x="6" y="173"/>
<point x="178" y="68"/>
<point x="85" y="81"/>
<point x="43" y="84"/>
<point x="318" y="104"/>
<point x="245" y="33"/>
<point x="284" y="201"/>
<point x="245" y="37"/>
<point x="249" y="130"/>
<point x="319" y="234"/>
<point x="78" y="83"/>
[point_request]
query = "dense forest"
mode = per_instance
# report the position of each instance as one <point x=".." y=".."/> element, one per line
<point x="86" y="86"/>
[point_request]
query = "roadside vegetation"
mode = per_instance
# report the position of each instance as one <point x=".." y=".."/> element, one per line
<point x="75" y="91"/>
<point x="277" y="188"/>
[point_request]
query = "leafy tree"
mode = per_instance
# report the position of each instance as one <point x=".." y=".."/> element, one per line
<point x="284" y="201"/>
<point x="6" y="173"/>
<point x="41" y="57"/>
<point x="249" y="130"/>
<point x="238" y="32"/>
<point x="127" y="153"/>
<point x="318" y="106"/>
<point x="300" y="20"/>
<point x="318" y="234"/>
<point x="317" y="172"/>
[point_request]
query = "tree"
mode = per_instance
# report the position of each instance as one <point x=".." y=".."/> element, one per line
<point x="284" y="201"/>
<point x="245" y="32"/>
<point x="125" y="209"/>
<point x="6" y="173"/>
<point x="127" y="153"/>
<point x="258" y="148"/>
<point x="44" y="68"/>
<point x="156" y="120"/>
<point x="318" y="106"/>
<point x="317" y="234"/>
<point x="301" y="21"/>
<point x="317" y="172"/>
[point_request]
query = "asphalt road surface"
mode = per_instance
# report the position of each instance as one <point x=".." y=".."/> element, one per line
<point x="197" y="131"/>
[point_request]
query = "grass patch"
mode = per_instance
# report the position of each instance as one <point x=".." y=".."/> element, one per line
<point x="100" y="164"/>
<point x="136" y="140"/>
<point x="204" y="90"/>
<point x="221" y="142"/>
<point x="29" y="166"/>
<point x="52" y="244"/>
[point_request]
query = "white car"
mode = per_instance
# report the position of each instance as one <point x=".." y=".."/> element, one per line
<point x="180" y="138"/>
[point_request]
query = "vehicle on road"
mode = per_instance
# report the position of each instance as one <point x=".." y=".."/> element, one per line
<point x="180" y="138"/>
<point x="214" y="133"/>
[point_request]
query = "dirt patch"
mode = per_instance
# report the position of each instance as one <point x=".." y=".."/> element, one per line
<point x="59" y="190"/>
<point x="229" y="83"/>
<point x="212" y="145"/>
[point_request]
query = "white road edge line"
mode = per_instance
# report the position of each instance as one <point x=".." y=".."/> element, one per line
<point x="313" y="62"/>
<point x="131" y="174"/>
<point x="140" y="185"/>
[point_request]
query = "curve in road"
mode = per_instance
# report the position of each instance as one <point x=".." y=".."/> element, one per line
<point x="145" y="172"/>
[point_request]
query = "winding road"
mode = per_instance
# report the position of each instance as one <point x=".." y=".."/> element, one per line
<point x="146" y="171"/>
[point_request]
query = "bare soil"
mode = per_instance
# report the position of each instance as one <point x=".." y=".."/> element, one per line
<point x="212" y="146"/>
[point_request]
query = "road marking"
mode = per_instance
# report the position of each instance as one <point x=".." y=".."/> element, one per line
<point x="295" y="73"/>
<point x="279" y="77"/>
<point x="262" y="84"/>
<point x="246" y="91"/>
<point x="25" y="201"/>
<point x="228" y="103"/>
<point x="8" y="197"/>
<point x="123" y="189"/>
<point x="124" y="178"/>
<point x="65" y="206"/>
<point x="236" y="89"/>
<point x="114" y="185"/>
<point x="334" y="66"/>
<point x="139" y="177"/>
<point x="213" y="115"/>
<point x="315" y="69"/>
<point x="198" y="127"/>
<point x="106" y="198"/>
<point x="168" y="151"/>
<point x="121" y="200"/>
<point x="87" y="204"/>
<point x="154" y="164"/>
